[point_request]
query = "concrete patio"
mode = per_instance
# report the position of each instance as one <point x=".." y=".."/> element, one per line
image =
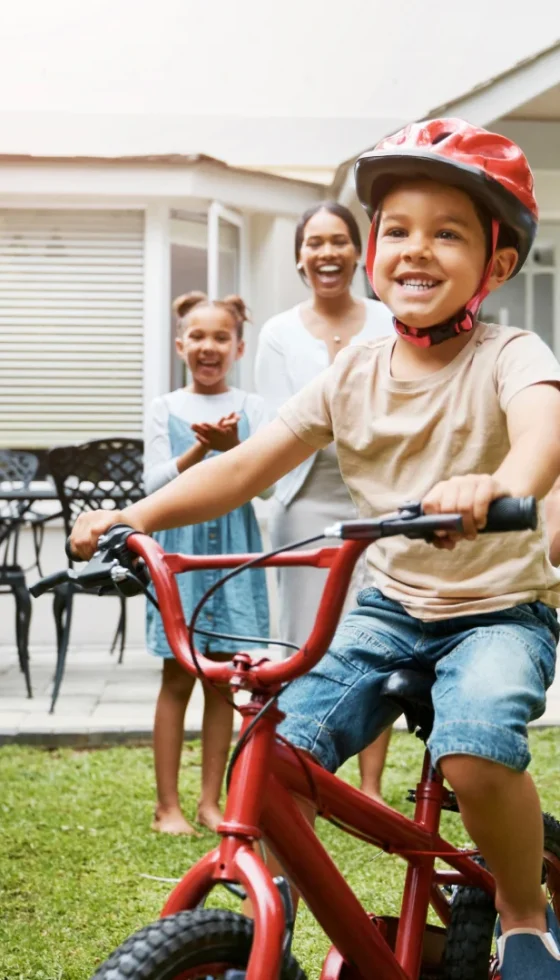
<point x="103" y="702"/>
<point x="100" y="700"/>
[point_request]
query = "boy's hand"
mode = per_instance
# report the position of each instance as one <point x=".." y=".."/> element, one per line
<point x="219" y="437"/>
<point x="88" y="529"/>
<point x="469" y="496"/>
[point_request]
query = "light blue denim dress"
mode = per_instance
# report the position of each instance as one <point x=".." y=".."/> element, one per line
<point x="241" y="606"/>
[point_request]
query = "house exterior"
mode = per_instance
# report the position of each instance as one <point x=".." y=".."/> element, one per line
<point x="108" y="207"/>
<point x="96" y="240"/>
<point x="91" y="254"/>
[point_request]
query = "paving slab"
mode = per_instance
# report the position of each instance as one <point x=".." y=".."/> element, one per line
<point x="104" y="702"/>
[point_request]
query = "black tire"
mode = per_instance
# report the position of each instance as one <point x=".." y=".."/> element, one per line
<point x="169" y="947"/>
<point x="473" y="919"/>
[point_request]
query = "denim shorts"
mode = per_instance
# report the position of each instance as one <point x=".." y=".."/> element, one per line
<point x="492" y="671"/>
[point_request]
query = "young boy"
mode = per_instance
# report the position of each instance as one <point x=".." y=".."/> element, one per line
<point x="456" y="413"/>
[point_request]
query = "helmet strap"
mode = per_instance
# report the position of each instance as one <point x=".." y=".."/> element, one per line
<point x="461" y="322"/>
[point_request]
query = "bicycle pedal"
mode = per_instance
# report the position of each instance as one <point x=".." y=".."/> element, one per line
<point x="451" y="803"/>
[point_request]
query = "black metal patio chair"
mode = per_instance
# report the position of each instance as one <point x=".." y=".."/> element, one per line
<point x="104" y="473"/>
<point x="17" y="470"/>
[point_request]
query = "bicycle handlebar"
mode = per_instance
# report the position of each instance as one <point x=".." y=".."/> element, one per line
<point x="110" y="568"/>
<point x="504" y="514"/>
<point x="123" y="552"/>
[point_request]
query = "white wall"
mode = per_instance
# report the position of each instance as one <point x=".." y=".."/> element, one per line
<point x="162" y="68"/>
<point x="273" y="282"/>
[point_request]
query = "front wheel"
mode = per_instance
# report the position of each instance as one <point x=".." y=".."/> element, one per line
<point x="199" y="945"/>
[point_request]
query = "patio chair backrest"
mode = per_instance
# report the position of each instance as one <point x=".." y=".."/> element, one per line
<point x="17" y="467"/>
<point x="104" y="473"/>
<point x="17" y="470"/>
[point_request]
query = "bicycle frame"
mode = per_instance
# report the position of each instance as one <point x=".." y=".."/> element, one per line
<point x="260" y="805"/>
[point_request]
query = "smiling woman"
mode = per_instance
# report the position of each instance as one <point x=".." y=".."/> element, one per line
<point x="294" y="347"/>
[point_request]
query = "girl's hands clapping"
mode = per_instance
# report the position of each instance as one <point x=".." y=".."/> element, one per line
<point x="220" y="436"/>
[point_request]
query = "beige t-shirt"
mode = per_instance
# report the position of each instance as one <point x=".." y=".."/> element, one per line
<point x="397" y="439"/>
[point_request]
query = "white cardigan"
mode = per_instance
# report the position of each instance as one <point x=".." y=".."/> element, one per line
<point x="289" y="357"/>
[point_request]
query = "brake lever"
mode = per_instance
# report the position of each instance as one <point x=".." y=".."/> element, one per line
<point x="113" y="567"/>
<point x="412" y="511"/>
<point x="97" y="571"/>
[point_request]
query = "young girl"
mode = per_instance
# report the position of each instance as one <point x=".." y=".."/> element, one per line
<point x="204" y="419"/>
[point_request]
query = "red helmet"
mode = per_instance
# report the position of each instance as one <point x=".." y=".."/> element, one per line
<point x="489" y="167"/>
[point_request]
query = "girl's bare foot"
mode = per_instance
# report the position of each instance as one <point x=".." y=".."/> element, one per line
<point x="172" y="822"/>
<point x="209" y="815"/>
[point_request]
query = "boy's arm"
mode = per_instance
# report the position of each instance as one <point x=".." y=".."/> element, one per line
<point x="211" y="489"/>
<point x="532" y="466"/>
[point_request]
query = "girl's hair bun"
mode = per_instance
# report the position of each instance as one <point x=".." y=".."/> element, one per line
<point x="237" y="304"/>
<point x="184" y="304"/>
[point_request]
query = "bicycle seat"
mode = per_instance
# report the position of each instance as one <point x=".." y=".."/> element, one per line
<point x="412" y="691"/>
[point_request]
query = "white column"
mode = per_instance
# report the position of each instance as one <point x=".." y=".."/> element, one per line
<point x="157" y="317"/>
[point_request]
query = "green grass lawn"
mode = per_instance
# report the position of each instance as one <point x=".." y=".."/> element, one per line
<point x="75" y="844"/>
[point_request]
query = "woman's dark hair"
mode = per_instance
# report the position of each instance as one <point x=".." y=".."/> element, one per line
<point x="333" y="207"/>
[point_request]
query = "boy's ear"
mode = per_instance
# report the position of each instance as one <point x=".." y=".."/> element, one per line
<point x="179" y="345"/>
<point x="240" y="349"/>
<point x="503" y="265"/>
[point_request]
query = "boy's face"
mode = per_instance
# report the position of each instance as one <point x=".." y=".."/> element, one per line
<point x="431" y="253"/>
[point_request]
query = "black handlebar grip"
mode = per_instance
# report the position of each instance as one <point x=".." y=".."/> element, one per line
<point x="512" y="514"/>
<point x="48" y="583"/>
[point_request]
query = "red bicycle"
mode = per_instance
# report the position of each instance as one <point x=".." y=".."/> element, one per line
<point x="191" y="942"/>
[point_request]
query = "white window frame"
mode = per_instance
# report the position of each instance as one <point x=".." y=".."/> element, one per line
<point x="216" y="212"/>
<point x="529" y="272"/>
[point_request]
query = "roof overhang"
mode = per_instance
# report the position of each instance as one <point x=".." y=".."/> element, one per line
<point x="139" y="180"/>
<point x="518" y="93"/>
<point x="504" y="94"/>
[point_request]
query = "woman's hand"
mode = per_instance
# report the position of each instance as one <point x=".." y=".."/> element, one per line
<point x="219" y="437"/>
<point x="88" y="529"/>
<point x="469" y="496"/>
